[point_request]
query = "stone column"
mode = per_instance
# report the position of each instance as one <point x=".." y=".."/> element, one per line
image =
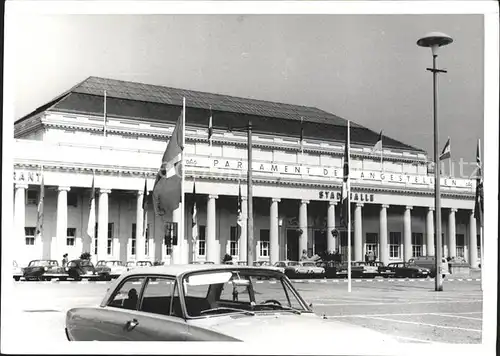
<point x="61" y="224"/>
<point x="407" y="234"/>
<point x="243" y="230"/>
<point x="211" y="242"/>
<point x="452" y="237"/>
<point x="331" y="242"/>
<point x="140" y="239"/>
<point x="429" y="232"/>
<point x="358" y="233"/>
<point x="274" y="231"/>
<point x="303" y="226"/>
<point x="102" y="225"/>
<point x="383" y="243"/>
<point x="20" y="218"/>
<point x="472" y="240"/>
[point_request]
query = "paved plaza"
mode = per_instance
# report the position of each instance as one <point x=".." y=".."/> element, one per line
<point x="408" y="309"/>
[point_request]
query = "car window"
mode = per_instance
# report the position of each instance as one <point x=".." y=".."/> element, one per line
<point x="157" y="296"/>
<point x="127" y="296"/>
<point x="231" y="292"/>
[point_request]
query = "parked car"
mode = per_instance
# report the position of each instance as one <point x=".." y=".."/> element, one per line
<point x="331" y="268"/>
<point x="405" y="269"/>
<point x="78" y="269"/>
<point x="17" y="272"/>
<point x="367" y="270"/>
<point x="429" y="262"/>
<point x="268" y="265"/>
<point x="44" y="270"/>
<point x="310" y="269"/>
<point x="208" y="303"/>
<point x="356" y="270"/>
<point x="383" y="270"/>
<point x="113" y="268"/>
<point x="290" y="267"/>
<point x="133" y="264"/>
<point x="202" y="263"/>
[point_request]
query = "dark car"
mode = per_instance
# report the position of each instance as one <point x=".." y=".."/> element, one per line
<point x="78" y="269"/>
<point x="44" y="270"/>
<point x="405" y="269"/>
<point x="330" y="267"/>
<point x="383" y="270"/>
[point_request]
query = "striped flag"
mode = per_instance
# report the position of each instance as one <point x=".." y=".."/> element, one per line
<point x="167" y="189"/>
<point x="92" y="217"/>
<point x="378" y="145"/>
<point x="145" y="207"/>
<point x="479" y="203"/>
<point x="239" y="220"/>
<point x="210" y="129"/>
<point x="194" y="215"/>
<point x="39" y="217"/>
<point x="346" y="186"/>
<point x="446" y="151"/>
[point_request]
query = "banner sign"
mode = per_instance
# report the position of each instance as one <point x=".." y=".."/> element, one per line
<point x="295" y="170"/>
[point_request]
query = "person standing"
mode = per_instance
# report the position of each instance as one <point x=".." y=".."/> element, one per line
<point x="65" y="260"/>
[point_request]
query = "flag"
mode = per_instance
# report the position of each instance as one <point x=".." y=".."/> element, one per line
<point x="346" y="186"/>
<point x="194" y="213"/>
<point x="145" y="207"/>
<point x="239" y="219"/>
<point x="446" y="151"/>
<point x="302" y="134"/>
<point x="479" y="204"/>
<point x="167" y="188"/>
<point x="92" y="217"/>
<point x="39" y="217"/>
<point x="378" y="145"/>
<point x="210" y="129"/>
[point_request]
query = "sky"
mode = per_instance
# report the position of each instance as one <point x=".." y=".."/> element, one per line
<point x="365" y="68"/>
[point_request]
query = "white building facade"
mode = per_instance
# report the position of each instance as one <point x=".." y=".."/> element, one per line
<point x="296" y="193"/>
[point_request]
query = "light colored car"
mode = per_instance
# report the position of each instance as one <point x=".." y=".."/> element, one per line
<point x="266" y="264"/>
<point x="133" y="264"/>
<point x="44" y="270"/>
<point x="309" y="267"/>
<point x="113" y="267"/>
<point x="207" y="303"/>
<point x="17" y="272"/>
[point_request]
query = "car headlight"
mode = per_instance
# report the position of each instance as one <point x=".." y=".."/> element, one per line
<point x="46" y="268"/>
<point x="66" y="269"/>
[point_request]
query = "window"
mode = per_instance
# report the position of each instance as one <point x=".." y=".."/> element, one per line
<point x="394" y="245"/>
<point x="70" y="236"/>
<point x="233" y="241"/>
<point x="32" y="197"/>
<point x="29" y="233"/>
<point x="72" y="199"/>
<point x="127" y="297"/>
<point x="111" y="233"/>
<point x="95" y="239"/>
<point x="372" y="243"/>
<point x="417" y="239"/>
<point x="134" y="235"/>
<point x="201" y="240"/>
<point x="157" y="296"/>
<point x="460" y="245"/>
<point x="264" y="243"/>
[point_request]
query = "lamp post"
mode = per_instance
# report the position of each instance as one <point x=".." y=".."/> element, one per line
<point x="434" y="40"/>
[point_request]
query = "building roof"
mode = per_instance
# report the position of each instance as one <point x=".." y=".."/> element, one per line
<point x="161" y="104"/>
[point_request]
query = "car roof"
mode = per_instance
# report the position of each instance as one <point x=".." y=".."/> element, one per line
<point x="177" y="270"/>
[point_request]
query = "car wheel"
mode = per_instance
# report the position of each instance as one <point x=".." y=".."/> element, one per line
<point x="17" y="278"/>
<point x="413" y="275"/>
<point x="48" y="278"/>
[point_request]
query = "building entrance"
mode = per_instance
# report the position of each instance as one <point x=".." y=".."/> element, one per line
<point x="292" y="245"/>
<point x="319" y="241"/>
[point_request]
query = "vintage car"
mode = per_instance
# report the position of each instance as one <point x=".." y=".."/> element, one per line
<point x="383" y="270"/>
<point x="208" y="303"/>
<point x="429" y="262"/>
<point x="266" y="264"/>
<point x="17" y="272"/>
<point x="113" y="268"/>
<point x="356" y="270"/>
<point x="79" y="269"/>
<point x="405" y="269"/>
<point x="330" y="267"/>
<point x="290" y="267"/>
<point x="202" y="263"/>
<point x="310" y="268"/>
<point x="367" y="270"/>
<point x="133" y="264"/>
<point x="44" y="270"/>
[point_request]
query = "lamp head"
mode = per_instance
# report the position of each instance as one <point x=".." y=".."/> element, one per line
<point x="434" y="40"/>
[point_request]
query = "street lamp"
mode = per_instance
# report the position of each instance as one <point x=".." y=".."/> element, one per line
<point x="434" y="40"/>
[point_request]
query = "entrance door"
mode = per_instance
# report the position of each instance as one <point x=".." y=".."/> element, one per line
<point x="292" y="245"/>
<point x="319" y="241"/>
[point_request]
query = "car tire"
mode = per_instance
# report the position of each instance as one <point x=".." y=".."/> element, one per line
<point x="17" y="278"/>
<point x="414" y="275"/>
<point x="48" y="278"/>
<point x="63" y="278"/>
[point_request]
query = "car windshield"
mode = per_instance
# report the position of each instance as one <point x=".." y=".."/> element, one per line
<point x="86" y="263"/>
<point x="109" y="263"/>
<point x="308" y="264"/>
<point x="248" y="292"/>
<point x="39" y="263"/>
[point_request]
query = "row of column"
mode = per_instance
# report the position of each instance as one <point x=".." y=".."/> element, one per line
<point x="211" y="246"/>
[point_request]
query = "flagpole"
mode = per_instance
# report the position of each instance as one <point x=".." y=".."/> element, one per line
<point x="348" y="211"/>
<point x="482" y="253"/>
<point x="180" y="232"/>
<point x="194" y="237"/>
<point x="250" y="246"/>
<point x="105" y="114"/>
